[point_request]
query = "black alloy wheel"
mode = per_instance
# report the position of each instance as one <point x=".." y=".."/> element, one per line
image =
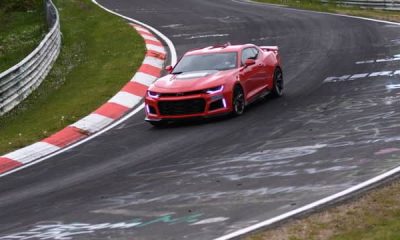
<point x="238" y="103"/>
<point x="277" y="90"/>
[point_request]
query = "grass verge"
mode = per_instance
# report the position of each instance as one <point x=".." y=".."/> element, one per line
<point x="330" y="7"/>
<point x="376" y="215"/>
<point x="22" y="27"/>
<point x="100" y="52"/>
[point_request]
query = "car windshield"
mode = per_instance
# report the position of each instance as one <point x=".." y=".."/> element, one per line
<point x="214" y="61"/>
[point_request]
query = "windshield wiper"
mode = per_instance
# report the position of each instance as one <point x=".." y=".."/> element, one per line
<point x="176" y="73"/>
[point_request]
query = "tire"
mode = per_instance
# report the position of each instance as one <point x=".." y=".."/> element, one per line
<point x="277" y="90"/>
<point x="238" y="101"/>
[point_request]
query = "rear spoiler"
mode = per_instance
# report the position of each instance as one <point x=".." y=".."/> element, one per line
<point x="274" y="49"/>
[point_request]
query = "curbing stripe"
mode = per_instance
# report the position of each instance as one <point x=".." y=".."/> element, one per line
<point x="149" y="69"/>
<point x="155" y="48"/>
<point x="151" y="38"/>
<point x="152" y="42"/>
<point x="65" y="137"/>
<point x="135" y="88"/>
<point x="155" y="62"/>
<point x="145" y="33"/>
<point x="144" y="78"/>
<point x="158" y="55"/>
<point x="7" y="164"/>
<point x="125" y="99"/>
<point x="112" y="110"/>
<point x="32" y="152"/>
<point x="139" y="28"/>
<point x="93" y="123"/>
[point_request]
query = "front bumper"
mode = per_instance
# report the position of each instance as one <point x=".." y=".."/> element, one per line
<point x="192" y="106"/>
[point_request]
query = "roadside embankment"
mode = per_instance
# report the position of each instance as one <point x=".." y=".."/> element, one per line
<point x="100" y="53"/>
<point x="22" y="28"/>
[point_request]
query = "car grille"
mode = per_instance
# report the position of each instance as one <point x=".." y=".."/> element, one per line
<point x="181" y="94"/>
<point x="182" y="107"/>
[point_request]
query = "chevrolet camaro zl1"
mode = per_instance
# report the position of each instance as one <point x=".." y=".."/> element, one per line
<point x="214" y="80"/>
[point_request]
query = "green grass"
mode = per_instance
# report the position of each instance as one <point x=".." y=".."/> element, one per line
<point x="316" y="5"/>
<point x="22" y="27"/>
<point x="375" y="216"/>
<point x="100" y="53"/>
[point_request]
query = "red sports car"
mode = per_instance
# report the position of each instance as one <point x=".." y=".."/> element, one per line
<point x="214" y="80"/>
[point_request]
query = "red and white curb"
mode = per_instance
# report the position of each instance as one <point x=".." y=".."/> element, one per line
<point x="119" y="105"/>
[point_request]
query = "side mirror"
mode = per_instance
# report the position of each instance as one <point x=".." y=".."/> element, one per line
<point x="169" y="69"/>
<point x="249" y="62"/>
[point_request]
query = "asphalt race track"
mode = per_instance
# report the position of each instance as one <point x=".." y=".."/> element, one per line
<point x="337" y="125"/>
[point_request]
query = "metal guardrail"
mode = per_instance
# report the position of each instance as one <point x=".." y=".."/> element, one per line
<point x="19" y="81"/>
<point x="377" y="4"/>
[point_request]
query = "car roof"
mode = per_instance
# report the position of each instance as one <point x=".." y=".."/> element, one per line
<point x="219" y="49"/>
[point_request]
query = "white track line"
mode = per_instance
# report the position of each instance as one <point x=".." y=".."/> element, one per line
<point x="325" y="200"/>
<point x="173" y="54"/>
<point x="171" y="46"/>
<point x="310" y="206"/>
<point x="250" y="2"/>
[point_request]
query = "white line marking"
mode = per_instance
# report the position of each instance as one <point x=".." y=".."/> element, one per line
<point x="361" y="75"/>
<point x="392" y="86"/>
<point x="158" y="33"/>
<point x="337" y="79"/>
<point x="396" y="58"/>
<point x="210" y="220"/>
<point x="381" y="74"/>
<point x="387" y="60"/>
<point x="208" y="36"/>
<point x="364" y="62"/>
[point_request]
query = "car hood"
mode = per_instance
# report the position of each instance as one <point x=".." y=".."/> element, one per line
<point x="190" y="81"/>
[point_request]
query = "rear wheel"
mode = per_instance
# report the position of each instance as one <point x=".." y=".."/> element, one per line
<point x="277" y="90"/>
<point x="238" y="101"/>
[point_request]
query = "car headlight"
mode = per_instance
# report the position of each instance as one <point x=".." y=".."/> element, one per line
<point x="153" y="94"/>
<point x="214" y="90"/>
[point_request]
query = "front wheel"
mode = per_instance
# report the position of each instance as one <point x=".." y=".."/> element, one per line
<point x="277" y="90"/>
<point x="238" y="101"/>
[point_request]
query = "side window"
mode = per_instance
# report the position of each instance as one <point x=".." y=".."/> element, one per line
<point x="249" y="53"/>
<point x="255" y="51"/>
<point x="246" y="54"/>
